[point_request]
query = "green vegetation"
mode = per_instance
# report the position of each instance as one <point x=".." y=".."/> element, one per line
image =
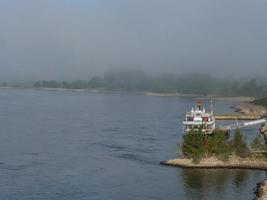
<point x="259" y="148"/>
<point x="239" y="145"/>
<point x="197" y="145"/>
<point x="193" y="145"/>
<point x="261" y="101"/>
<point x="135" y="80"/>
<point x="257" y="143"/>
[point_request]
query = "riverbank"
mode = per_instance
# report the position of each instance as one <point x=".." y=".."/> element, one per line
<point x="244" y="109"/>
<point x="234" y="116"/>
<point x="171" y="94"/>
<point x="234" y="98"/>
<point x="249" y="108"/>
<point x="233" y="162"/>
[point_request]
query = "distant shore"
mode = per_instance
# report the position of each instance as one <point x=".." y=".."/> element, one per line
<point x="243" y="99"/>
<point x="204" y="97"/>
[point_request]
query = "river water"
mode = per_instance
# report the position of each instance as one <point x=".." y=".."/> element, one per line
<point x="81" y="145"/>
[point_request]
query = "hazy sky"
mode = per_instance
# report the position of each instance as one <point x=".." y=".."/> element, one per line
<point x="71" y="39"/>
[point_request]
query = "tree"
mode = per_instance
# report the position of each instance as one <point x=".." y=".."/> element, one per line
<point x="192" y="146"/>
<point x="257" y="143"/>
<point x="218" y="144"/>
<point x="240" y="146"/>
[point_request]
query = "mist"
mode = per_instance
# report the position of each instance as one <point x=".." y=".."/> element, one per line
<point x="77" y="39"/>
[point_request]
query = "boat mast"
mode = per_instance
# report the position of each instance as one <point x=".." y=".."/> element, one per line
<point x="211" y="106"/>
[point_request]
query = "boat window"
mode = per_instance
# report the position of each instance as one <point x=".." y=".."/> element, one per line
<point x="189" y="118"/>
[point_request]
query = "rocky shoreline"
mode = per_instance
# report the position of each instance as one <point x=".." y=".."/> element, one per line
<point x="250" y="108"/>
<point x="233" y="162"/>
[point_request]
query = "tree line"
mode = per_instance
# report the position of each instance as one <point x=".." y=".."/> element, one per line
<point x="136" y="80"/>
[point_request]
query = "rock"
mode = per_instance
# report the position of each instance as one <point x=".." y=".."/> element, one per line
<point x="261" y="191"/>
<point x="213" y="162"/>
<point x="251" y="109"/>
<point x="263" y="129"/>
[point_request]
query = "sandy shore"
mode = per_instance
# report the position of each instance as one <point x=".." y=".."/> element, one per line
<point x="212" y="162"/>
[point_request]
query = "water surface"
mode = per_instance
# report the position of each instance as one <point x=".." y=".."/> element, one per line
<point x="81" y="145"/>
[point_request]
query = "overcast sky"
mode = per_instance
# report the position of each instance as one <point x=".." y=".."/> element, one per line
<point x="71" y="39"/>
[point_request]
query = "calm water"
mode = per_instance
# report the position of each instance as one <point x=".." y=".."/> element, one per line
<point x="67" y="145"/>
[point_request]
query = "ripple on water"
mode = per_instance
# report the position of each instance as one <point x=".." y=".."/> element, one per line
<point x="19" y="167"/>
<point x="138" y="158"/>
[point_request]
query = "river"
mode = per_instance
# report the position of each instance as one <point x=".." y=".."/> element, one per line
<point x="78" y="145"/>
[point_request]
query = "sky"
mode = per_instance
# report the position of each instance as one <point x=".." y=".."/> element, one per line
<point x="76" y="39"/>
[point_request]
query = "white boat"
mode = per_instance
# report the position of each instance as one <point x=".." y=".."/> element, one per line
<point x="199" y="118"/>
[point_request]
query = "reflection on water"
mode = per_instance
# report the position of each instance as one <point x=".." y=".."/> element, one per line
<point x="214" y="183"/>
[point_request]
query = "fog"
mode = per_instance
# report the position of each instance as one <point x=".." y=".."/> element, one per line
<point x="76" y="39"/>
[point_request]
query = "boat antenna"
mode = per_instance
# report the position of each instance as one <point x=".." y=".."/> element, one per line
<point x="199" y="105"/>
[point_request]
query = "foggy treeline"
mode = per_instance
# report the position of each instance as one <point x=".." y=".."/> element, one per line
<point x="137" y="80"/>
